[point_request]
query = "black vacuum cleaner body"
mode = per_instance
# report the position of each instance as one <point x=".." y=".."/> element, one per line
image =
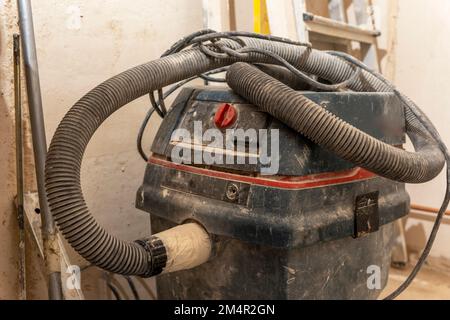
<point x="288" y="219"/>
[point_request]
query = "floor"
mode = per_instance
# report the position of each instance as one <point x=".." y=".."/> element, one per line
<point x="430" y="284"/>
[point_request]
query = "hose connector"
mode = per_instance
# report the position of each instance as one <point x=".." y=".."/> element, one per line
<point x="180" y="248"/>
<point x="157" y="255"/>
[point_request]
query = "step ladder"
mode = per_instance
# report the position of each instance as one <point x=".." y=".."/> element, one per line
<point x="342" y="25"/>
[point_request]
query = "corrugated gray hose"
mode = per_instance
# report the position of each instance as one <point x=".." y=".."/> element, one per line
<point x="334" y="134"/>
<point x="72" y="136"/>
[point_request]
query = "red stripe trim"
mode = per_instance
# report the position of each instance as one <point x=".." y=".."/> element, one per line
<point x="305" y="182"/>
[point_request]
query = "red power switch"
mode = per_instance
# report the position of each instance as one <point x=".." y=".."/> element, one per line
<point x="225" y="116"/>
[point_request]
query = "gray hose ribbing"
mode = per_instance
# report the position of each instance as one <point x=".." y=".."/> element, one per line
<point x="334" y="134"/>
<point x="72" y="136"/>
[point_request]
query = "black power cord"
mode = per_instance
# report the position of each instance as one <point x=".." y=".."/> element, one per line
<point x="114" y="291"/>
<point x="132" y="288"/>
<point x="111" y="286"/>
<point x="198" y="38"/>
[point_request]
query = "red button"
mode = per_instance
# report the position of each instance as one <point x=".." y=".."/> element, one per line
<point x="225" y="116"/>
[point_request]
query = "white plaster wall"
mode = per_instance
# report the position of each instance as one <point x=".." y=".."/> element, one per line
<point x="423" y="73"/>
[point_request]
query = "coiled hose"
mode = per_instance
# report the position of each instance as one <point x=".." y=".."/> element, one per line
<point x="72" y="136"/>
<point x="334" y="134"/>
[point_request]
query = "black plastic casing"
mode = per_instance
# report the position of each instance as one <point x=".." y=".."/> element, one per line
<point x="277" y="241"/>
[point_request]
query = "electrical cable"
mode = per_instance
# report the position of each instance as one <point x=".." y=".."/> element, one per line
<point x="114" y="291"/>
<point x="205" y="76"/>
<point x="422" y="118"/>
<point x="301" y="75"/>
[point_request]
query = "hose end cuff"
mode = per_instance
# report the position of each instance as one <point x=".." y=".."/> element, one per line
<point x="157" y="255"/>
